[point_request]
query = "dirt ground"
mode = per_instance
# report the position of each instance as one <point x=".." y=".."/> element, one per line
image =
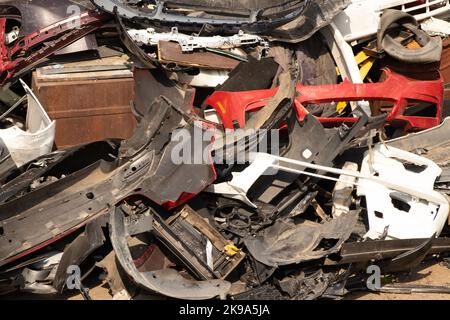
<point x="427" y="274"/>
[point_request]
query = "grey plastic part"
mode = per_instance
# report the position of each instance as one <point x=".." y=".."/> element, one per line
<point x="159" y="15"/>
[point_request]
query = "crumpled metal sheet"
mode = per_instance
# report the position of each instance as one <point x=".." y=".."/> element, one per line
<point x="288" y="21"/>
<point x="288" y="243"/>
<point x="318" y="14"/>
<point x="39" y="137"/>
<point x="165" y="281"/>
<point x="145" y="167"/>
<point x="37" y="14"/>
<point x="233" y="4"/>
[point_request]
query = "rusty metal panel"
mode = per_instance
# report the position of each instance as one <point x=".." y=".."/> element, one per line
<point x="445" y="61"/>
<point x="87" y="110"/>
<point x="170" y="52"/>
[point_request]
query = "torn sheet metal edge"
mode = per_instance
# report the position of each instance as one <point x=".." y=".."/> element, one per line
<point x="167" y="281"/>
<point x="361" y="18"/>
<point x="66" y="32"/>
<point x="38" y="140"/>
<point x="420" y="219"/>
<point x="395" y="88"/>
<point x="144" y="167"/>
<point x="189" y="43"/>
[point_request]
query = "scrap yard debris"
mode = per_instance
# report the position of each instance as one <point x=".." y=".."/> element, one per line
<point x="244" y="150"/>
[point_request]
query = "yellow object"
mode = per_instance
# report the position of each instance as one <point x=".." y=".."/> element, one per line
<point x="231" y="249"/>
<point x="222" y="108"/>
<point x="365" y="64"/>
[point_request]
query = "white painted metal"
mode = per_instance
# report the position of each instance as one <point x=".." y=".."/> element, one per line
<point x="361" y="18"/>
<point x="38" y="138"/>
<point x="436" y="27"/>
<point x="205" y="79"/>
<point x="344" y="57"/>
<point x="421" y="216"/>
<point x="383" y="174"/>
<point x="190" y="43"/>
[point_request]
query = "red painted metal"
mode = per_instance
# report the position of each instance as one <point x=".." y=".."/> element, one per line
<point x="28" y="51"/>
<point x="397" y="89"/>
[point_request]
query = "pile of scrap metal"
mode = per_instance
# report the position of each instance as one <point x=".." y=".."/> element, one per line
<point x="336" y="108"/>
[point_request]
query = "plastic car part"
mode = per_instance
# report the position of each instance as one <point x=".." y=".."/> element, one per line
<point x="166" y="281"/>
<point x="343" y="56"/>
<point x="32" y="277"/>
<point x="322" y="147"/>
<point x="361" y="18"/>
<point x="204" y="79"/>
<point x="37" y="140"/>
<point x="241" y="183"/>
<point x="430" y="51"/>
<point x="342" y="192"/>
<point x="79" y="249"/>
<point x="189" y="43"/>
<point x="281" y="20"/>
<point x="423" y="223"/>
<point x="91" y="178"/>
<point x="287" y="242"/>
<point x="403" y="215"/>
<point x="436" y="27"/>
<point x="232" y="106"/>
<point x="26" y="52"/>
<point x="161" y="14"/>
<point x="431" y="143"/>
